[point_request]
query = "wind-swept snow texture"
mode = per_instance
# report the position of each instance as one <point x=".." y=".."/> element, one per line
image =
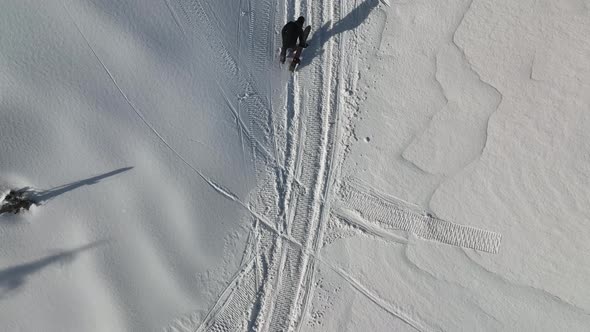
<point x="422" y="170"/>
<point x="477" y="111"/>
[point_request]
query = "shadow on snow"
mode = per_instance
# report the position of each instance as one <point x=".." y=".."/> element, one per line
<point x="12" y="278"/>
<point x="19" y="199"/>
<point x="40" y="197"/>
<point x="321" y="36"/>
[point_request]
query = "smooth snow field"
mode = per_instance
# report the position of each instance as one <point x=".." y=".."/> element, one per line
<point x="426" y="168"/>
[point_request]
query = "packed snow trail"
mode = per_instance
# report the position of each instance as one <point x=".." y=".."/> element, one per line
<point x="280" y="274"/>
<point x="291" y="206"/>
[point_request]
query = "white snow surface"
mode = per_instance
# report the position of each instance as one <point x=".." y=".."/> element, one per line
<point x="425" y="168"/>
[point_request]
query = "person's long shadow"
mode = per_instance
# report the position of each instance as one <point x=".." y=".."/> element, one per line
<point x="12" y="278"/>
<point x="321" y="36"/>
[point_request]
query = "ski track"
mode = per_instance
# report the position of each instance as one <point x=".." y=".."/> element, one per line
<point x="176" y="19"/>
<point x="218" y="188"/>
<point x="244" y="90"/>
<point x="316" y="139"/>
<point x="343" y="216"/>
<point x="274" y="285"/>
<point x="271" y="294"/>
<point x="291" y="206"/>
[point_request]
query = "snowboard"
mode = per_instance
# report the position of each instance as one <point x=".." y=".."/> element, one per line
<point x="299" y="49"/>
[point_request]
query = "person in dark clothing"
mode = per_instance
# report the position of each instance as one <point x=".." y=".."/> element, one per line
<point x="292" y="32"/>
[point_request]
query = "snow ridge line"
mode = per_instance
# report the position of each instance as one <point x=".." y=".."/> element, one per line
<point x="376" y="207"/>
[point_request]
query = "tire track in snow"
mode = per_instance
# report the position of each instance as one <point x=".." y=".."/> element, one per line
<point x="238" y="39"/>
<point x="386" y="212"/>
<point x="218" y="188"/>
<point x="286" y="259"/>
<point x="269" y="254"/>
<point x="260" y="16"/>
<point x="390" y="308"/>
<point x="225" y="299"/>
<point x="214" y="185"/>
<point x="223" y="317"/>
<point x="344" y="216"/>
<point x="292" y="163"/>
<point x="175" y="17"/>
<point x="331" y="124"/>
<point x="242" y="290"/>
<point x="242" y="129"/>
<point x="291" y="256"/>
<point x="316" y="140"/>
<point x="331" y="171"/>
<point x="274" y="272"/>
<point x="246" y="93"/>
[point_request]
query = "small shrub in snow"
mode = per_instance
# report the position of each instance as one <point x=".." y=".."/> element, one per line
<point x="14" y="201"/>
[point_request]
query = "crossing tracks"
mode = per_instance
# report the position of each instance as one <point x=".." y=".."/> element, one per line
<point x="295" y="145"/>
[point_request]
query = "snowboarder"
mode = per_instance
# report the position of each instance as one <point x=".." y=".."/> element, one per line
<point x="292" y="32"/>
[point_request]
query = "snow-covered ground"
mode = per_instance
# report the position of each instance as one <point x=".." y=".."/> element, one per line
<point x="425" y="169"/>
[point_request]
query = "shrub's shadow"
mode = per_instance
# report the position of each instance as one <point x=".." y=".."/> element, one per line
<point x="19" y="199"/>
<point x="12" y="278"/>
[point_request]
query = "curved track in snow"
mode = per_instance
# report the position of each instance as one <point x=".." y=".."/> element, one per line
<point x="292" y="143"/>
<point x="292" y="124"/>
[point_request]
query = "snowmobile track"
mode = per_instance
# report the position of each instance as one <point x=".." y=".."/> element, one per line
<point x="273" y="292"/>
<point x="377" y="208"/>
<point x="317" y="111"/>
<point x="249" y="99"/>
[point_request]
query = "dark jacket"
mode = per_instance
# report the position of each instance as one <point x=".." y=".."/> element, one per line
<point x="290" y="33"/>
